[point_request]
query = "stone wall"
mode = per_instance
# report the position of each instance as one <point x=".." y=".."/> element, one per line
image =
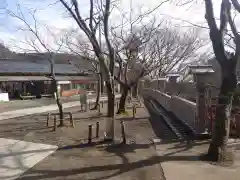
<point x="183" y="109"/>
<point x="183" y="89"/>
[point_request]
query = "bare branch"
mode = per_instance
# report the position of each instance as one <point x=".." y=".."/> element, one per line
<point x="236" y="5"/>
<point x="106" y="33"/>
<point x="215" y="34"/>
<point x="225" y="8"/>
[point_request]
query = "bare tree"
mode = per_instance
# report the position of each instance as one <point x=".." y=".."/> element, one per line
<point x="218" y="148"/>
<point x="99" y="11"/>
<point x="151" y="49"/>
<point x="84" y="51"/>
<point x="37" y="43"/>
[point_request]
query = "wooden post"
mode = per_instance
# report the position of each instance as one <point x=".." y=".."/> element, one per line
<point x="97" y="129"/>
<point x="99" y="110"/>
<point x="123" y="132"/>
<point x="71" y="119"/>
<point x="129" y="100"/>
<point x="48" y="118"/>
<point x="134" y="111"/>
<point x="55" y="123"/>
<point x="89" y="134"/>
<point x="89" y="105"/>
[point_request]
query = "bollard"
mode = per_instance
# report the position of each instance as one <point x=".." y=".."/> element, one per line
<point x="97" y="129"/>
<point x="55" y="123"/>
<point x="134" y="111"/>
<point x="71" y="119"/>
<point x="117" y="105"/>
<point x="99" y="110"/>
<point x="89" y="105"/>
<point x="89" y="134"/>
<point x="48" y="118"/>
<point x="123" y="133"/>
<point x="102" y="103"/>
<point x="129" y="100"/>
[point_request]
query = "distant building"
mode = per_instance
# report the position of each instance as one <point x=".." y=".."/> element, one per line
<point x="21" y="78"/>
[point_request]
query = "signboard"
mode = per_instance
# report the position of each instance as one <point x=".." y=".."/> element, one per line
<point x="64" y="82"/>
<point x="4" y="97"/>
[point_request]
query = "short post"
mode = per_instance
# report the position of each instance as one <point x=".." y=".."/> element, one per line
<point x="89" y="105"/>
<point x="134" y="111"/>
<point x="129" y="100"/>
<point x="97" y="129"/>
<point x="99" y="110"/>
<point x="123" y="132"/>
<point x="71" y="119"/>
<point x="102" y="103"/>
<point x="48" y="118"/>
<point x="89" y="134"/>
<point x="117" y="105"/>
<point x="55" y="123"/>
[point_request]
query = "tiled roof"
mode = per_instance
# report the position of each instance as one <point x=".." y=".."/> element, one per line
<point x="19" y="66"/>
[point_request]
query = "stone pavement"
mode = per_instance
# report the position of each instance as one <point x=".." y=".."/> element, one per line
<point x="42" y="109"/>
<point x="19" y="156"/>
<point x="180" y="161"/>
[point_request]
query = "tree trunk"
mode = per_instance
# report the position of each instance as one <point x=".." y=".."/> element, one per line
<point x="101" y="83"/>
<point x="135" y="90"/>
<point x="111" y="100"/>
<point x="123" y="98"/>
<point x="218" y="148"/>
<point x="109" y="131"/>
<point x="98" y="92"/>
<point x="59" y="103"/>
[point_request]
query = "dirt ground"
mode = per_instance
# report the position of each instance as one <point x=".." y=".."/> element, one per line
<point x="75" y="160"/>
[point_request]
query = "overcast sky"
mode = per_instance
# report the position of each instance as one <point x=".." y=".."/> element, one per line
<point x="54" y="15"/>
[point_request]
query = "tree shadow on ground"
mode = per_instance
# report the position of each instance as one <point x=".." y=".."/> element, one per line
<point x="125" y="166"/>
<point x="82" y="145"/>
<point x="119" y="150"/>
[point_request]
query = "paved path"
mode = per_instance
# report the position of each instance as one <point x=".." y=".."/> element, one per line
<point x="23" y="104"/>
<point x="184" y="161"/>
<point x="19" y="156"/>
<point x="42" y="109"/>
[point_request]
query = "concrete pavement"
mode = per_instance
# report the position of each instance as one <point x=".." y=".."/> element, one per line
<point x="181" y="162"/>
<point x="43" y="109"/>
<point x="19" y="156"/>
<point x="23" y="104"/>
<point x="16" y="157"/>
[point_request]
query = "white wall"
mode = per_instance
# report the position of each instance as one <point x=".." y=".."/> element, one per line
<point x="183" y="109"/>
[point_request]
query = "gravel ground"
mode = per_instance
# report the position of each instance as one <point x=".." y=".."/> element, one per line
<point x="76" y="160"/>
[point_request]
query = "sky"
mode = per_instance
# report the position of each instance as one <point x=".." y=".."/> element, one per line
<point x="53" y="15"/>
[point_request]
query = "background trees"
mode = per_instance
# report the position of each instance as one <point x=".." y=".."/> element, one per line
<point x="99" y="14"/>
<point x="152" y="49"/>
<point x="36" y="41"/>
<point x="76" y="45"/>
